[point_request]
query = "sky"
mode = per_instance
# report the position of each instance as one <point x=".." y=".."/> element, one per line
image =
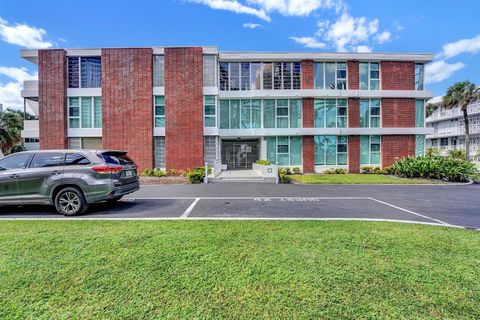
<point x="448" y="29"/>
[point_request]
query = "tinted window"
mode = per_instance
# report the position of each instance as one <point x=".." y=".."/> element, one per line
<point x="116" y="159"/>
<point x="16" y="161"/>
<point x="76" y="159"/>
<point x="43" y="160"/>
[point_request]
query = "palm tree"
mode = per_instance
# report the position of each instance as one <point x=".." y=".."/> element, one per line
<point x="461" y="94"/>
<point x="11" y="124"/>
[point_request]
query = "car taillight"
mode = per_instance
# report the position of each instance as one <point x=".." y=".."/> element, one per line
<point x="107" y="169"/>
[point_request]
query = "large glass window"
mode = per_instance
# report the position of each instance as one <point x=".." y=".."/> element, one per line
<point x="419" y="113"/>
<point x="369" y="150"/>
<point x="256" y="75"/>
<point x="287" y="151"/>
<point x="419" y="76"/>
<point x="209" y="71"/>
<point x="330" y="113"/>
<point x="84" y="72"/>
<point x="419" y="145"/>
<point x="330" y="75"/>
<point x="269" y="113"/>
<point x="158" y="71"/>
<point x="210" y="111"/>
<point x="84" y="112"/>
<point x="330" y="150"/>
<point x="369" y="113"/>
<point x="159" y="109"/>
<point x="369" y="76"/>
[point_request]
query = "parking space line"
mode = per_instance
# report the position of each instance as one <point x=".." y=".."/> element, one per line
<point x="189" y="209"/>
<point x="411" y="212"/>
<point x="247" y="198"/>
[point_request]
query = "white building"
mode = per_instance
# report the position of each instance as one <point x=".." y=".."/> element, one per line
<point x="449" y="128"/>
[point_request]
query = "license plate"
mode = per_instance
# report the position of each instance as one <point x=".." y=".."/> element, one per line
<point x="129" y="174"/>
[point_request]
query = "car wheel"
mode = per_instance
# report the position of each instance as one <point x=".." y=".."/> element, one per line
<point x="70" y="201"/>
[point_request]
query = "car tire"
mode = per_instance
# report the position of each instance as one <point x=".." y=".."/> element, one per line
<point x="70" y="202"/>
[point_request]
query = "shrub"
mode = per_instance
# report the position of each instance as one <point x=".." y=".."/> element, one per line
<point x="159" y="173"/>
<point x="283" y="178"/>
<point x="445" y="168"/>
<point x="285" y="171"/>
<point x="264" y="162"/>
<point x="288" y="171"/>
<point x="457" y="154"/>
<point x="329" y="171"/>
<point x="196" y="175"/>
<point x="340" y="171"/>
<point x="432" y="152"/>
<point x="147" y="173"/>
<point x="296" y="170"/>
<point x="367" y="170"/>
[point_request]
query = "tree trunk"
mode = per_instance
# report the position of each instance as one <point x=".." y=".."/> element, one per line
<point x="467" y="133"/>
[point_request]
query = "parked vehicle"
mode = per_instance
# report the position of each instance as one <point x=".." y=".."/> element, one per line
<point x="69" y="179"/>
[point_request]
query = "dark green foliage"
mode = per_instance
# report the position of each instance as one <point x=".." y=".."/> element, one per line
<point x="263" y="162"/>
<point x="442" y="168"/>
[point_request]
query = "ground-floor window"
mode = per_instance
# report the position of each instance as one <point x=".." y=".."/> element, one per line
<point x="85" y="143"/>
<point x="419" y="145"/>
<point x="370" y="150"/>
<point x="159" y="111"/>
<point x="159" y="152"/>
<point x="287" y="151"/>
<point x="330" y="150"/>
<point x="210" y="149"/>
<point x="84" y="112"/>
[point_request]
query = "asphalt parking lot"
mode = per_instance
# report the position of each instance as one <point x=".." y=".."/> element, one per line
<point x="457" y="205"/>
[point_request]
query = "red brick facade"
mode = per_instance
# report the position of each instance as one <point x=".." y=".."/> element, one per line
<point x="398" y="113"/>
<point x="353" y="75"/>
<point x="308" y="154"/>
<point x="307" y="74"/>
<point x="354" y="154"/>
<point x="397" y="75"/>
<point x="184" y="107"/>
<point x="52" y="92"/>
<point x="353" y="113"/>
<point x="396" y="147"/>
<point x="127" y="106"/>
<point x="308" y="112"/>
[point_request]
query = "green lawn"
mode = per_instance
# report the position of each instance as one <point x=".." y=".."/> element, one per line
<point x="355" y="179"/>
<point x="237" y="270"/>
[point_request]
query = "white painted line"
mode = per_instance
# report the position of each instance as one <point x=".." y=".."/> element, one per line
<point x="247" y="198"/>
<point x="189" y="209"/>
<point x="411" y="212"/>
<point x="231" y="219"/>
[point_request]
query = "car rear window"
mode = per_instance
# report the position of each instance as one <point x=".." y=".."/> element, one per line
<point x="76" y="159"/>
<point x="115" y="158"/>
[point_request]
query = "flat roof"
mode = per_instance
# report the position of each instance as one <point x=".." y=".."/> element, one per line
<point x="32" y="55"/>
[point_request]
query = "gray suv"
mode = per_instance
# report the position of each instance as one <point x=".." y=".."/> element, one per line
<point x="68" y="179"/>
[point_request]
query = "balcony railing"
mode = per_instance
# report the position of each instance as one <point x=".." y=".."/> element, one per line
<point x="473" y="108"/>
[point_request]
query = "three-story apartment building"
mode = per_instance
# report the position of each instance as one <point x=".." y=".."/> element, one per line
<point x="181" y="107"/>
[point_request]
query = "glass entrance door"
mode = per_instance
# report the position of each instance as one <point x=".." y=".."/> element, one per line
<point x="240" y="154"/>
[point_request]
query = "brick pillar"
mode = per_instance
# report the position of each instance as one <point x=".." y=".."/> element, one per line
<point x="396" y="147"/>
<point x="353" y="75"/>
<point x="353" y="113"/>
<point x="354" y="154"/>
<point x="397" y="75"/>
<point x="308" y="112"/>
<point x="308" y="154"/>
<point x="52" y="92"/>
<point x="307" y="74"/>
<point x="184" y="107"/>
<point x="398" y="113"/>
<point x="127" y="103"/>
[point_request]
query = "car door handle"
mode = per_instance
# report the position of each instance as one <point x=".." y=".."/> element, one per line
<point x="56" y="172"/>
<point x="14" y="176"/>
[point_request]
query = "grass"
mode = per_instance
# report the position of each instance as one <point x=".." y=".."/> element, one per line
<point x="352" y="178"/>
<point x="237" y="270"/>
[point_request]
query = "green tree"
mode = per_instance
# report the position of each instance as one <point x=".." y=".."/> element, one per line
<point x="461" y="94"/>
<point x="11" y="125"/>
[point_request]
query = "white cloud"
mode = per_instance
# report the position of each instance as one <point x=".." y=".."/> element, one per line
<point x="262" y="8"/>
<point x="234" y="6"/>
<point x="23" y="35"/>
<point x="309" y="42"/>
<point x="462" y="46"/>
<point x="10" y="93"/>
<point x="398" y="26"/>
<point x="250" y="25"/>
<point x="348" y="32"/>
<point x="363" y="49"/>
<point x="440" y="70"/>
